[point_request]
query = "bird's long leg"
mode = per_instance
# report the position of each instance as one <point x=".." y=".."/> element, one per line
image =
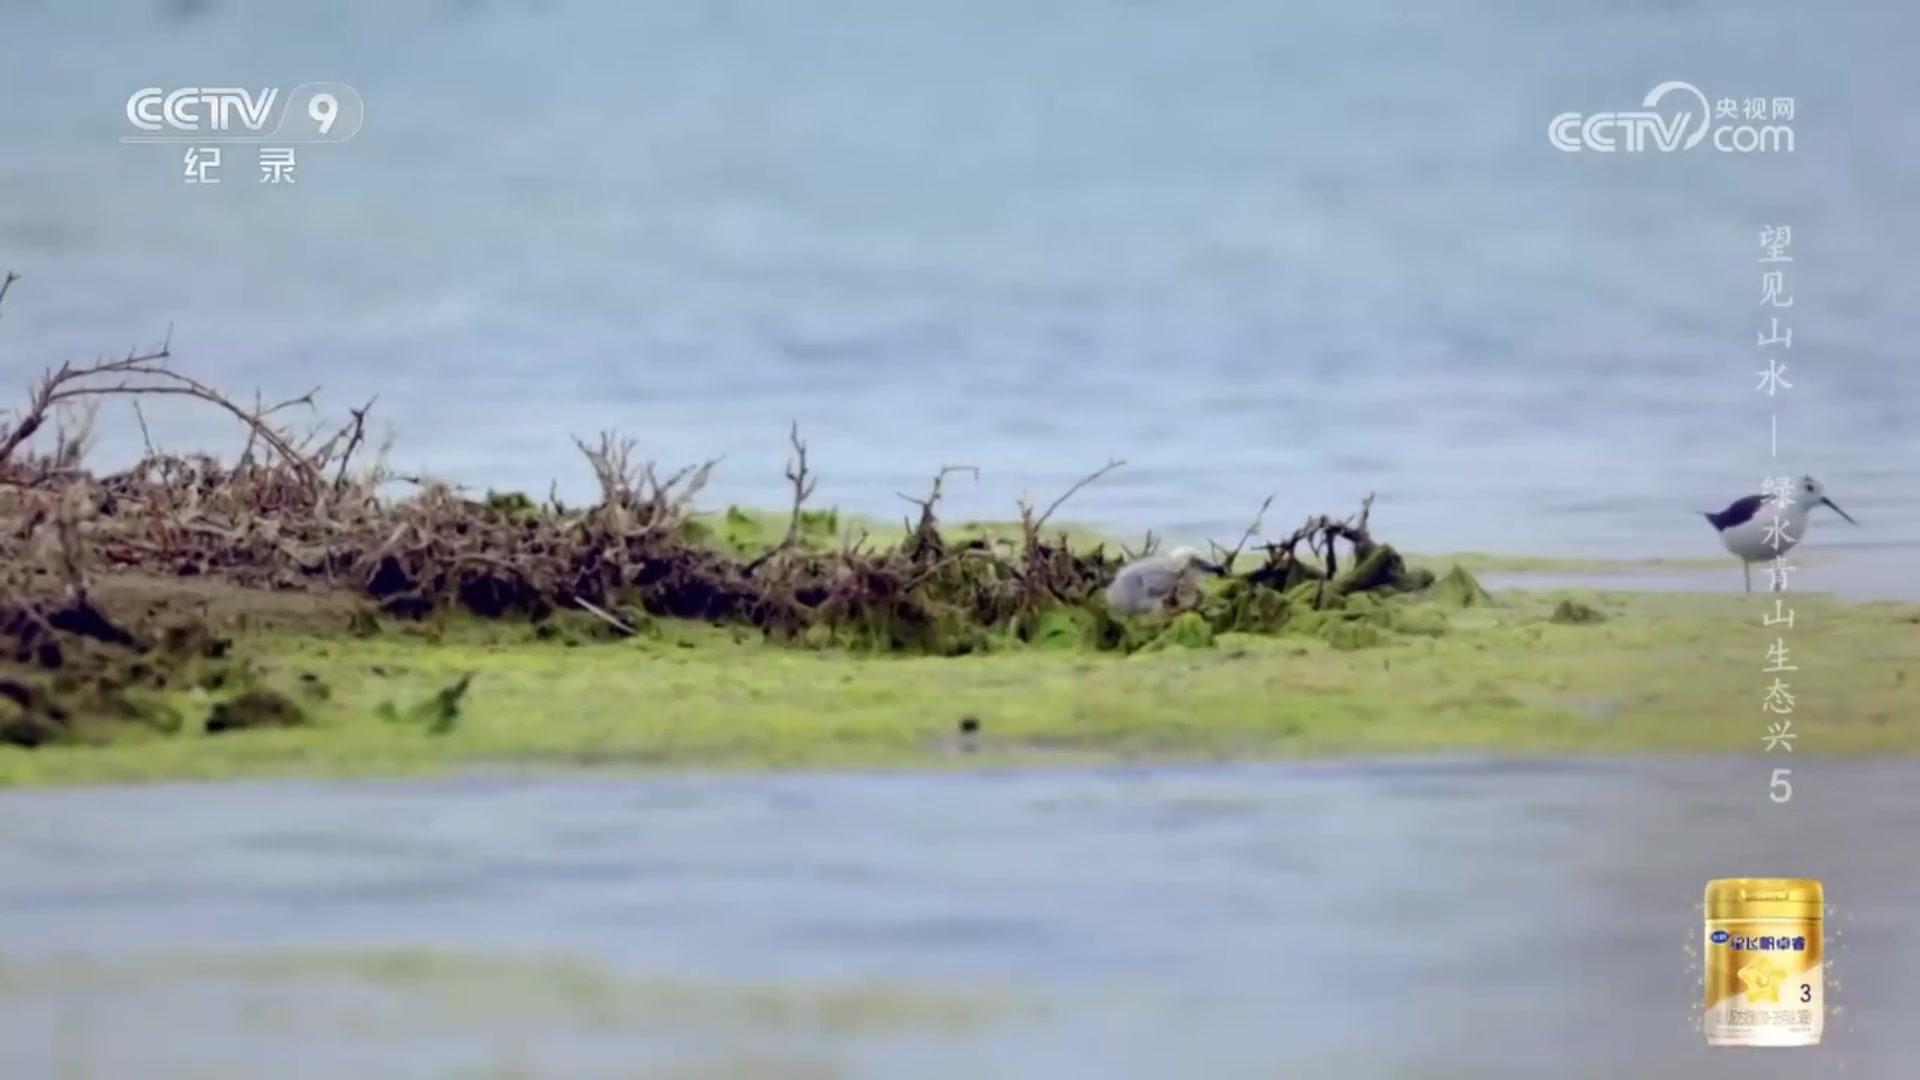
<point x="1747" y="569"/>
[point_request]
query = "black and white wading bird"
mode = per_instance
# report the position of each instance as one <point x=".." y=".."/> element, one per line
<point x="1760" y="528"/>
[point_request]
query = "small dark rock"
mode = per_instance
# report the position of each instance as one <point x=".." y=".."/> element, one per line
<point x="16" y="692"/>
<point x="26" y="733"/>
<point x="1575" y="613"/>
<point x="255" y="709"/>
<point x="314" y="687"/>
<point x="969" y="725"/>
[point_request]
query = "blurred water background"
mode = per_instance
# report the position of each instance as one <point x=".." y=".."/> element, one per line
<point x="1318" y="250"/>
<point x="1412" y="920"/>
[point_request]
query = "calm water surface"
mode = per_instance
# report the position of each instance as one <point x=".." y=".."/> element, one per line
<point x="1317" y="250"/>
<point x="1407" y="919"/>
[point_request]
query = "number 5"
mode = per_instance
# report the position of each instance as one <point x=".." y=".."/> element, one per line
<point x="1780" y="790"/>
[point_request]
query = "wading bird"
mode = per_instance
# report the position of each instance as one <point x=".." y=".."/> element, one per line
<point x="1145" y="585"/>
<point x="1759" y="528"/>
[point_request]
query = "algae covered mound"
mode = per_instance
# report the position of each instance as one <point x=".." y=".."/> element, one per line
<point x="1460" y="589"/>
<point x="314" y="513"/>
<point x="640" y="554"/>
<point x="70" y="674"/>
<point x="1572" y="612"/>
<point x="1376" y="596"/>
<point x="285" y="517"/>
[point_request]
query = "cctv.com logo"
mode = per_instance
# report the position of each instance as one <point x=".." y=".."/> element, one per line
<point x="1687" y="120"/>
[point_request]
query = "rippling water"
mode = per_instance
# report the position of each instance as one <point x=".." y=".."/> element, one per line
<point x="1249" y="247"/>
<point x="1407" y="919"/>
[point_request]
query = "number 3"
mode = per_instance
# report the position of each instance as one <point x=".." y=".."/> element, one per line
<point x="1780" y="790"/>
<point x="1806" y="991"/>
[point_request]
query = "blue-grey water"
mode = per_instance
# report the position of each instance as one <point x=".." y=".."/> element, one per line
<point x="1317" y="250"/>
<point x="1407" y="919"/>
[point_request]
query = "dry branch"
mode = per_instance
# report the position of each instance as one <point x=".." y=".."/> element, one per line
<point x="604" y="616"/>
<point x="923" y="537"/>
<point x="1253" y="529"/>
<point x="1070" y="492"/>
<point x="802" y="482"/>
<point x="143" y="373"/>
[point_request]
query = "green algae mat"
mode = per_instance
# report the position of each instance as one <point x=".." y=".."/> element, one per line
<point x="1445" y="669"/>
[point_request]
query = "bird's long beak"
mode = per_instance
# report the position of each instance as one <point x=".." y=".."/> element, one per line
<point x="1221" y="571"/>
<point x="1837" y="510"/>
